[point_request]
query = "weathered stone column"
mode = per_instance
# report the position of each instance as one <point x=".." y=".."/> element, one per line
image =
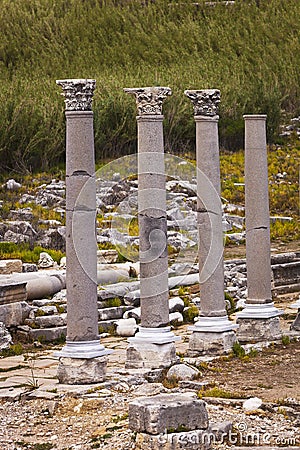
<point x="83" y="358"/>
<point x="213" y="332"/>
<point x="259" y="320"/>
<point x="153" y="346"/>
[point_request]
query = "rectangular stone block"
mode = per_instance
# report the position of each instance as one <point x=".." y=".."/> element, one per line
<point x="12" y="292"/>
<point x="8" y="266"/>
<point x="167" y="412"/>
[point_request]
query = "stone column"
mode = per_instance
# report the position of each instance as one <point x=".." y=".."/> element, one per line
<point x="153" y="346"/>
<point x="213" y="333"/>
<point x="83" y="359"/>
<point x="259" y="320"/>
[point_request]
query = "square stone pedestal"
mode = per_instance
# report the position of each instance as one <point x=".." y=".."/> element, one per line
<point x="150" y="356"/>
<point x="173" y="422"/>
<point x="257" y="330"/>
<point x="82" y="371"/>
<point x="211" y="343"/>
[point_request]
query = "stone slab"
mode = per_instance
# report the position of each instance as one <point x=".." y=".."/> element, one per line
<point x="158" y="414"/>
<point x="11" y="394"/>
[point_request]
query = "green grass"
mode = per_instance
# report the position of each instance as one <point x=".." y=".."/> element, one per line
<point x="250" y="51"/>
<point x="9" y="250"/>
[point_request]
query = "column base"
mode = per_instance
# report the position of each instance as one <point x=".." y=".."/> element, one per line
<point x="82" y="371"/>
<point x="210" y="343"/>
<point x="259" y="311"/>
<point x="219" y="324"/>
<point x="82" y="350"/>
<point x="151" y="348"/>
<point x="257" y="330"/>
<point x="82" y="362"/>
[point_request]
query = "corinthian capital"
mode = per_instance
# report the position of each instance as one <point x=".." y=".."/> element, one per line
<point x="205" y="102"/>
<point x="149" y="100"/>
<point x="78" y="94"/>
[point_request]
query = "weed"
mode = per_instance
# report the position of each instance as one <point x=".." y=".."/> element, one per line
<point x="238" y="350"/>
<point x="190" y="314"/>
<point x="285" y="340"/>
<point x="170" y="382"/>
<point x="217" y="392"/>
<point x="113" y="302"/>
<point x="14" y="350"/>
<point x="179" y="429"/>
<point x="119" y="418"/>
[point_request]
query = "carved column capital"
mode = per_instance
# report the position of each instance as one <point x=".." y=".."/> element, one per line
<point x="78" y="93"/>
<point x="205" y="102"/>
<point x="149" y="100"/>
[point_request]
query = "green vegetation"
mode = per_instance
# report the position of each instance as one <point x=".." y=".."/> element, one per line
<point x="250" y="51"/>
<point x="190" y="314"/>
<point x="113" y="302"/>
<point x="217" y="392"/>
<point x="285" y="340"/>
<point x="14" y="349"/>
<point x="25" y="253"/>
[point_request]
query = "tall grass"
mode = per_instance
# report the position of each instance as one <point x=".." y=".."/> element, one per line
<point x="250" y="51"/>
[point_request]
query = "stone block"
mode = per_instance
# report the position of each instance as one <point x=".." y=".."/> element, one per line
<point x="51" y="321"/>
<point x="112" y="313"/>
<point x="82" y="371"/>
<point x="8" y="266"/>
<point x="126" y="327"/>
<point x="208" y="343"/>
<point x="256" y="330"/>
<point x="14" y="314"/>
<point x="151" y="356"/>
<point x="47" y="334"/>
<point x="12" y="292"/>
<point x="166" y="412"/>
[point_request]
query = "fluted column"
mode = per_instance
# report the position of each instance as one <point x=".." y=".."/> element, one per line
<point x="259" y="320"/>
<point x="213" y="332"/>
<point x="153" y="345"/>
<point x="82" y="359"/>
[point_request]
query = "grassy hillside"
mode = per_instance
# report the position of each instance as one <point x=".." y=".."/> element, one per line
<point x="250" y="51"/>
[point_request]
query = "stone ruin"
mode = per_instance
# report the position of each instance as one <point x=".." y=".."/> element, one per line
<point x="83" y="358"/>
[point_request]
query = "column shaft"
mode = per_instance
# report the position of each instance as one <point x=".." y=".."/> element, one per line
<point x="259" y="320"/>
<point x="152" y="223"/>
<point x="153" y="346"/>
<point x="209" y="217"/>
<point x="257" y="211"/>
<point x="213" y="332"/>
